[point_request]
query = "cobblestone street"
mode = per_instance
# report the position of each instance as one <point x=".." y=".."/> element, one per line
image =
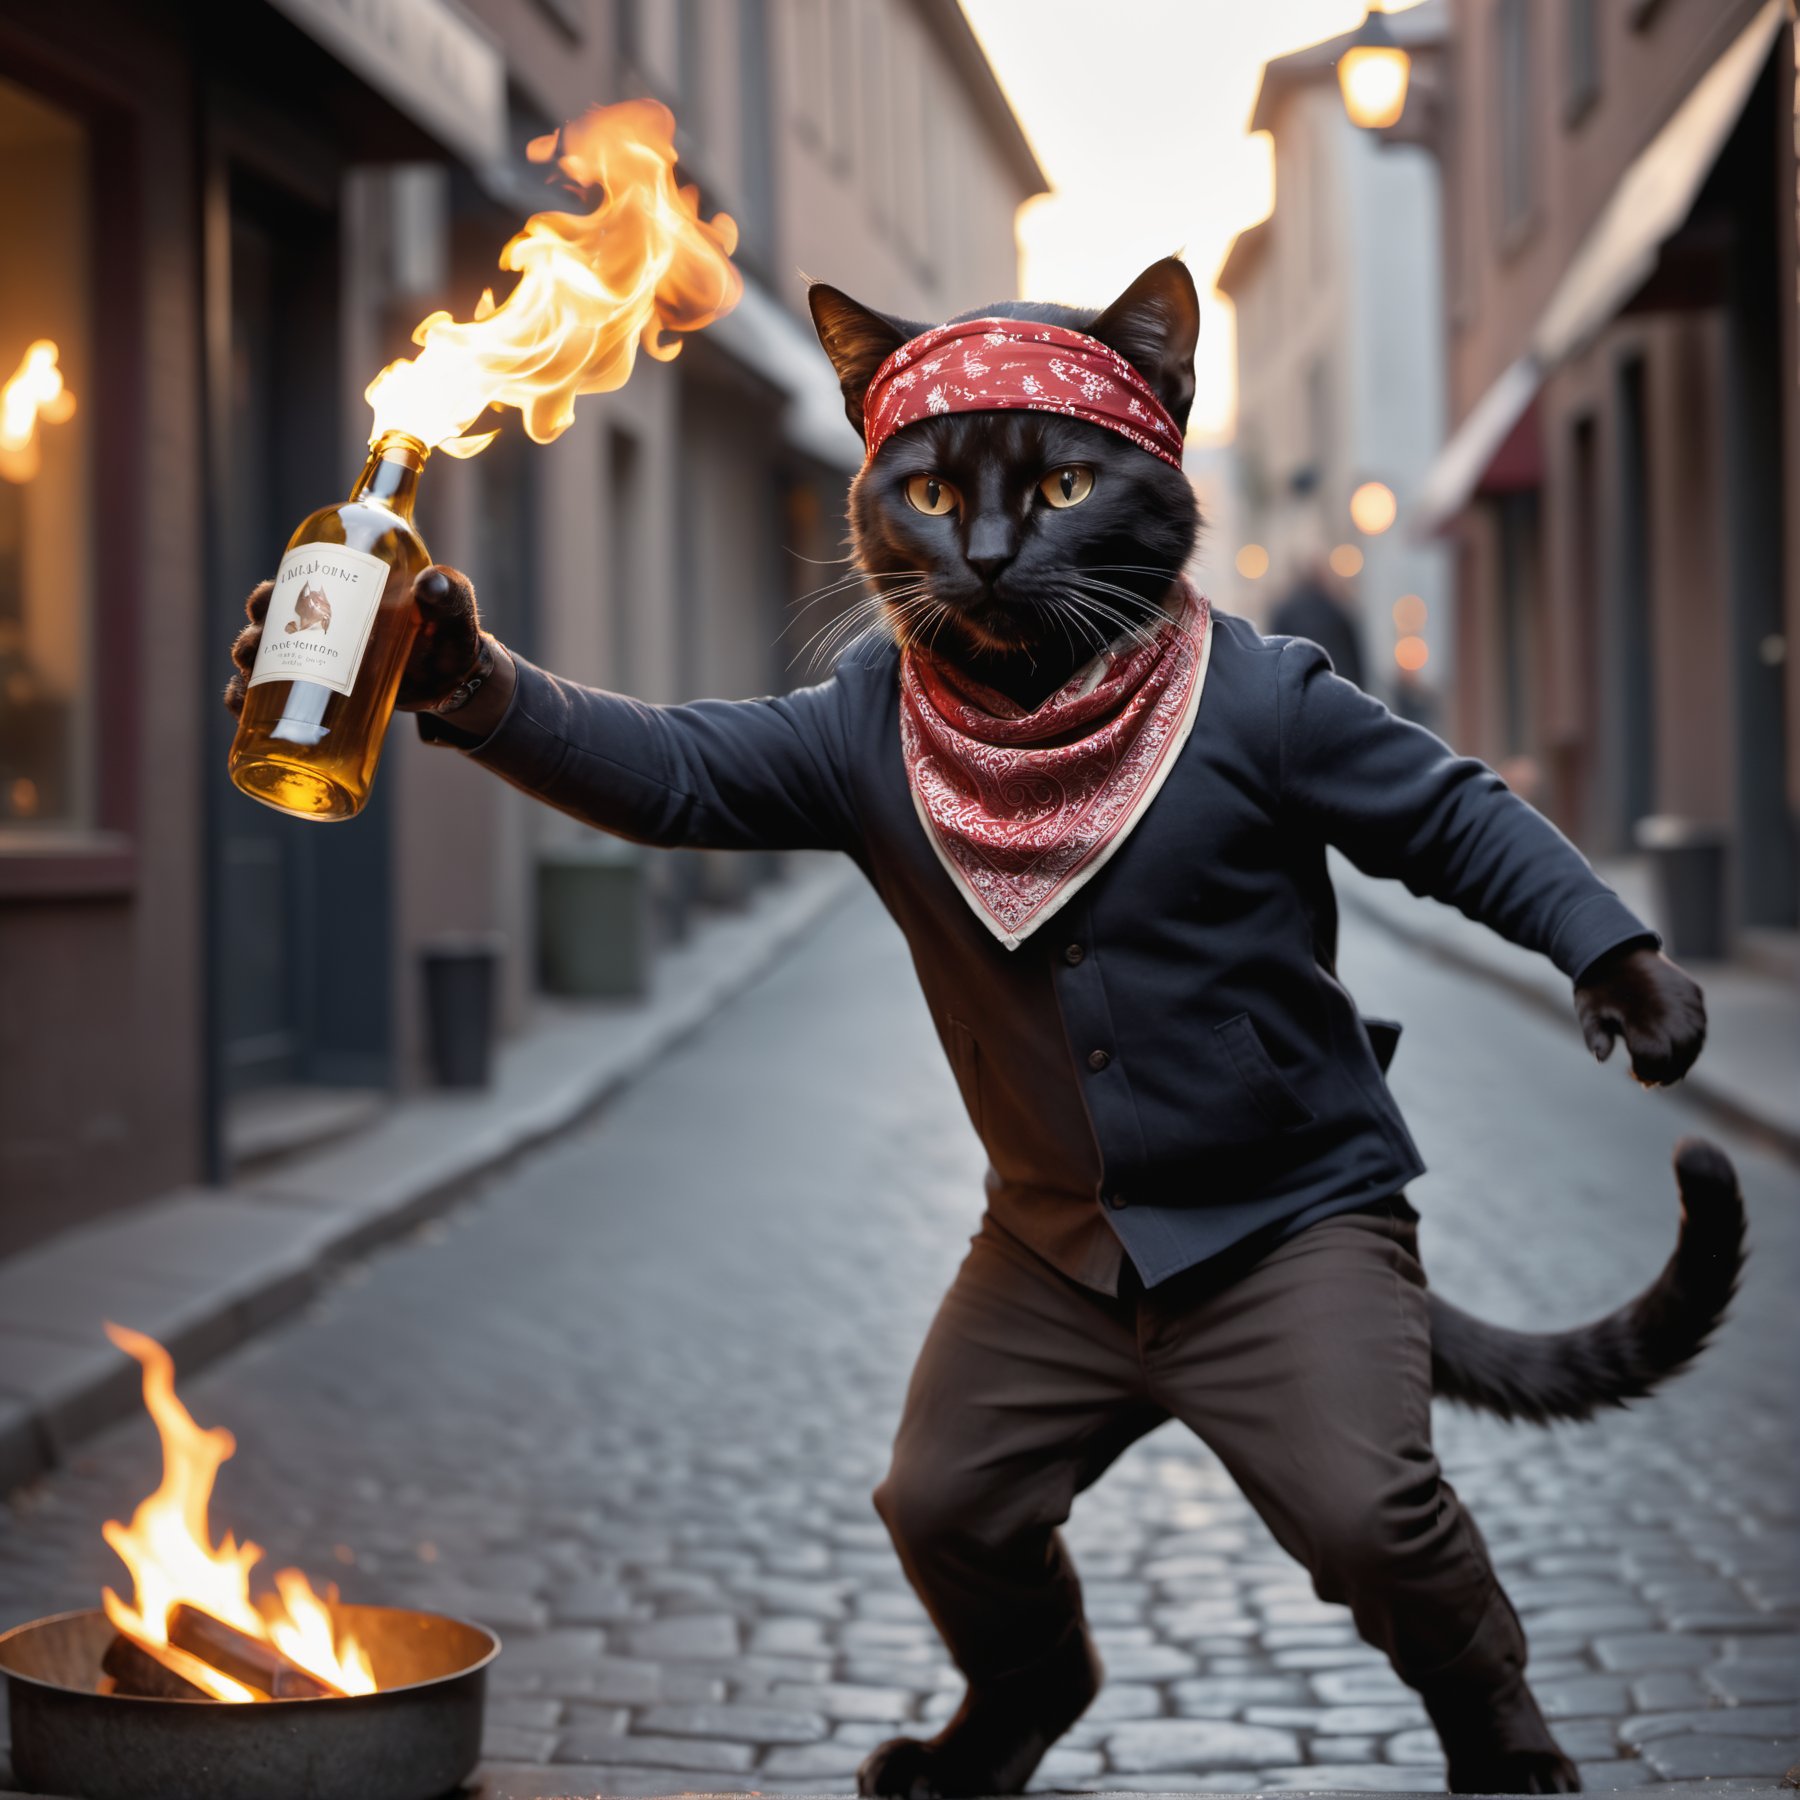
<point x="627" y="1402"/>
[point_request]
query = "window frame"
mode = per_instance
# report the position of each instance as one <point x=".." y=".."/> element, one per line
<point x="99" y="859"/>
<point x="1515" y="225"/>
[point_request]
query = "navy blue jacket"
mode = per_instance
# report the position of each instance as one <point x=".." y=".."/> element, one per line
<point x="1226" y="1084"/>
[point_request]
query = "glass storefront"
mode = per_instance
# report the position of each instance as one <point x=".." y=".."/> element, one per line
<point x="46" y="500"/>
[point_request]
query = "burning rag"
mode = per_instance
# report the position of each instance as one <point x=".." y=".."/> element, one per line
<point x="1016" y="365"/>
<point x="1023" y="808"/>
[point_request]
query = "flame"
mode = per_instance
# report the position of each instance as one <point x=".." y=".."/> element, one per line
<point x="168" y="1549"/>
<point x="592" y="287"/>
<point x="34" y="390"/>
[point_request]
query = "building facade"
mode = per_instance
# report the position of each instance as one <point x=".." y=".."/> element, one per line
<point x="230" y="227"/>
<point x="1620" y="487"/>
<point x="1340" y="381"/>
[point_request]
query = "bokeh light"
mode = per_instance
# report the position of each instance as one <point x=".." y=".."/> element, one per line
<point x="1253" y="562"/>
<point x="1346" y="560"/>
<point x="1409" y="614"/>
<point x="1412" y="654"/>
<point x="1373" y="508"/>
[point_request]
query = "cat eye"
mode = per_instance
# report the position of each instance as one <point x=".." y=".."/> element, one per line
<point x="931" y="494"/>
<point x="1067" y="487"/>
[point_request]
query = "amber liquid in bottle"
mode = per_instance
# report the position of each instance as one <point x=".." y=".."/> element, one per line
<point x="339" y="627"/>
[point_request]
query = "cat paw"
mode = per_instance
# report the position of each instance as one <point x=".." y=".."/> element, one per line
<point x="1517" y="1772"/>
<point x="901" y="1768"/>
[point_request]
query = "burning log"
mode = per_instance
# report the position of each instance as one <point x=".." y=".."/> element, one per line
<point x="286" y="1646"/>
<point x="135" y="1672"/>
<point x="254" y="1662"/>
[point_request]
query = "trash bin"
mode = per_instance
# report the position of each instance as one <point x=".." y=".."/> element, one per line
<point x="460" y="976"/>
<point x="593" y="904"/>
<point x="1687" y="869"/>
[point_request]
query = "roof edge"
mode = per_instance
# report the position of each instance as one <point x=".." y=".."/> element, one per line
<point x="949" y="24"/>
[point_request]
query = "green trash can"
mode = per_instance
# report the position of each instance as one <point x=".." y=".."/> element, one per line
<point x="593" y="906"/>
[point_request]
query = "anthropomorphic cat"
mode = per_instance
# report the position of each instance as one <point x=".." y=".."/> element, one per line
<point x="1099" y="812"/>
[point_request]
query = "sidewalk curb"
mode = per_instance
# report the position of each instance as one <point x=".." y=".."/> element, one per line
<point x="1781" y="1136"/>
<point x="508" y="1781"/>
<point x="203" y="1269"/>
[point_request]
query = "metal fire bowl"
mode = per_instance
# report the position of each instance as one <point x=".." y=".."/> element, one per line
<point x="416" y="1739"/>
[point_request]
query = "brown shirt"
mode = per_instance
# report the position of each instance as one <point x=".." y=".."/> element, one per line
<point x="1051" y="1202"/>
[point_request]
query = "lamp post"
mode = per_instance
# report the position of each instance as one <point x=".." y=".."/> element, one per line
<point x="1373" y="74"/>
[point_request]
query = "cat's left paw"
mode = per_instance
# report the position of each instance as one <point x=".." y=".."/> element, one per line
<point x="1638" y="994"/>
<point x="900" y="1769"/>
<point x="1517" y="1772"/>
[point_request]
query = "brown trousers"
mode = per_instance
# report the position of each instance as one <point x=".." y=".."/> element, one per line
<point x="1306" y="1367"/>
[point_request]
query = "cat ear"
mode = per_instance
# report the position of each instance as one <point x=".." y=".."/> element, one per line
<point x="1155" y="325"/>
<point x="857" y="341"/>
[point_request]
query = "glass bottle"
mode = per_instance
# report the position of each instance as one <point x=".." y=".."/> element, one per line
<point x="335" y="640"/>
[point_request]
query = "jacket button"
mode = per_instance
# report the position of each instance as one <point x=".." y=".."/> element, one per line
<point x="1116" y="1201"/>
<point x="1073" y="954"/>
<point x="1097" y="1060"/>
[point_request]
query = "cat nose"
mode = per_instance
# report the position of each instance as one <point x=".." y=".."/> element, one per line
<point x="993" y="543"/>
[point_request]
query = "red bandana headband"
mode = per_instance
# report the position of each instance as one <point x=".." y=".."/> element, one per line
<point x="1014" y="365"/>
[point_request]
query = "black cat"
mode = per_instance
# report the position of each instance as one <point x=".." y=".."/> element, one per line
<point x="1016" y="545"/>
<point x="1019" y="595"/>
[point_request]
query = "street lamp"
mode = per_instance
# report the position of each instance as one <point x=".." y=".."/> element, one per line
<point x="1373" y="74"/>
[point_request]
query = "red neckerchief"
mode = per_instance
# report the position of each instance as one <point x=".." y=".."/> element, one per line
<point x="1024" y="807"/>
<point x="1016" y="365"/>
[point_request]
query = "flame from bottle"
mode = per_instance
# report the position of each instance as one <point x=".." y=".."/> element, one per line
<point x="169" y="1550"/>
<point x="592" y="288"/>
<point x="32" y="392"/>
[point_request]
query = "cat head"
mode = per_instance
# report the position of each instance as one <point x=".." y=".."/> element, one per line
<point x="1011" y="534"/>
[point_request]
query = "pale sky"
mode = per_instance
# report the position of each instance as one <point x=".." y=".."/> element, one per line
<point x="1139" y="114"/>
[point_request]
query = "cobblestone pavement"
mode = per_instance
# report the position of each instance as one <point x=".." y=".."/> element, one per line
<point x="627" y="1404"/>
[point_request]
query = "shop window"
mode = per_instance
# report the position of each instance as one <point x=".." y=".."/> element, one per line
<point x="46" y="500"/>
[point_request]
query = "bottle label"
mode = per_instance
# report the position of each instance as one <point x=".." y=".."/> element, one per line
<point x="320" y="616"/>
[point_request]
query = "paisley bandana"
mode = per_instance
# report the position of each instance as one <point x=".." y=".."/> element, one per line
<point x="1024" y="808"/>
<point x="1015" y="365"/>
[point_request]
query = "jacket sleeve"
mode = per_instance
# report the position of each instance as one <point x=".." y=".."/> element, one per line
<point x="1399" y="802"/>
<point x="713" y="774"/>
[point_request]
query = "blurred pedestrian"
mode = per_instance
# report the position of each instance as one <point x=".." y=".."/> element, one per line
<point x="1310" y="610"/>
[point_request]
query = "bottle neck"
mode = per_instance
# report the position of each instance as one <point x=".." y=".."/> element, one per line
<point x="391" y="475"/>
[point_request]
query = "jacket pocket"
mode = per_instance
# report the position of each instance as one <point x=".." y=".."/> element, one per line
<point x="1267" y="1086"/>
<point x="965" y="1064"/>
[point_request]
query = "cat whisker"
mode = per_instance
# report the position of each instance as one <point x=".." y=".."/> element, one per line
<point x="840" y="632"/>
<point x="881" y="596"/>
<point x="1123" y="623"/>
<point x="1095" y="588"/>
<point x="858" y="621"/>
<point x="1064" y="611"/>
<point x="1132" y="569"/>
<point x="852" y="618"/>
<point x="818" y="562"/>
<point x="855" y="579"/>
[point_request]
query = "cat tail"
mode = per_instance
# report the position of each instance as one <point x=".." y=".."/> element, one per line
<point x="1544" y="1376"/>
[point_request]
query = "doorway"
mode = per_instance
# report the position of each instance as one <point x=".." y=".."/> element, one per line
<point x="300" y="945"/>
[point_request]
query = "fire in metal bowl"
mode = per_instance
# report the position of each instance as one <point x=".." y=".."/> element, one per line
<point x="416" y="1737"/>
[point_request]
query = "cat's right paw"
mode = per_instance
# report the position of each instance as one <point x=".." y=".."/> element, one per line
<point x="902" y="1768"/>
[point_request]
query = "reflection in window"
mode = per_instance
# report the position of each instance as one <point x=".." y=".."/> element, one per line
<point x="45" y="525"/>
